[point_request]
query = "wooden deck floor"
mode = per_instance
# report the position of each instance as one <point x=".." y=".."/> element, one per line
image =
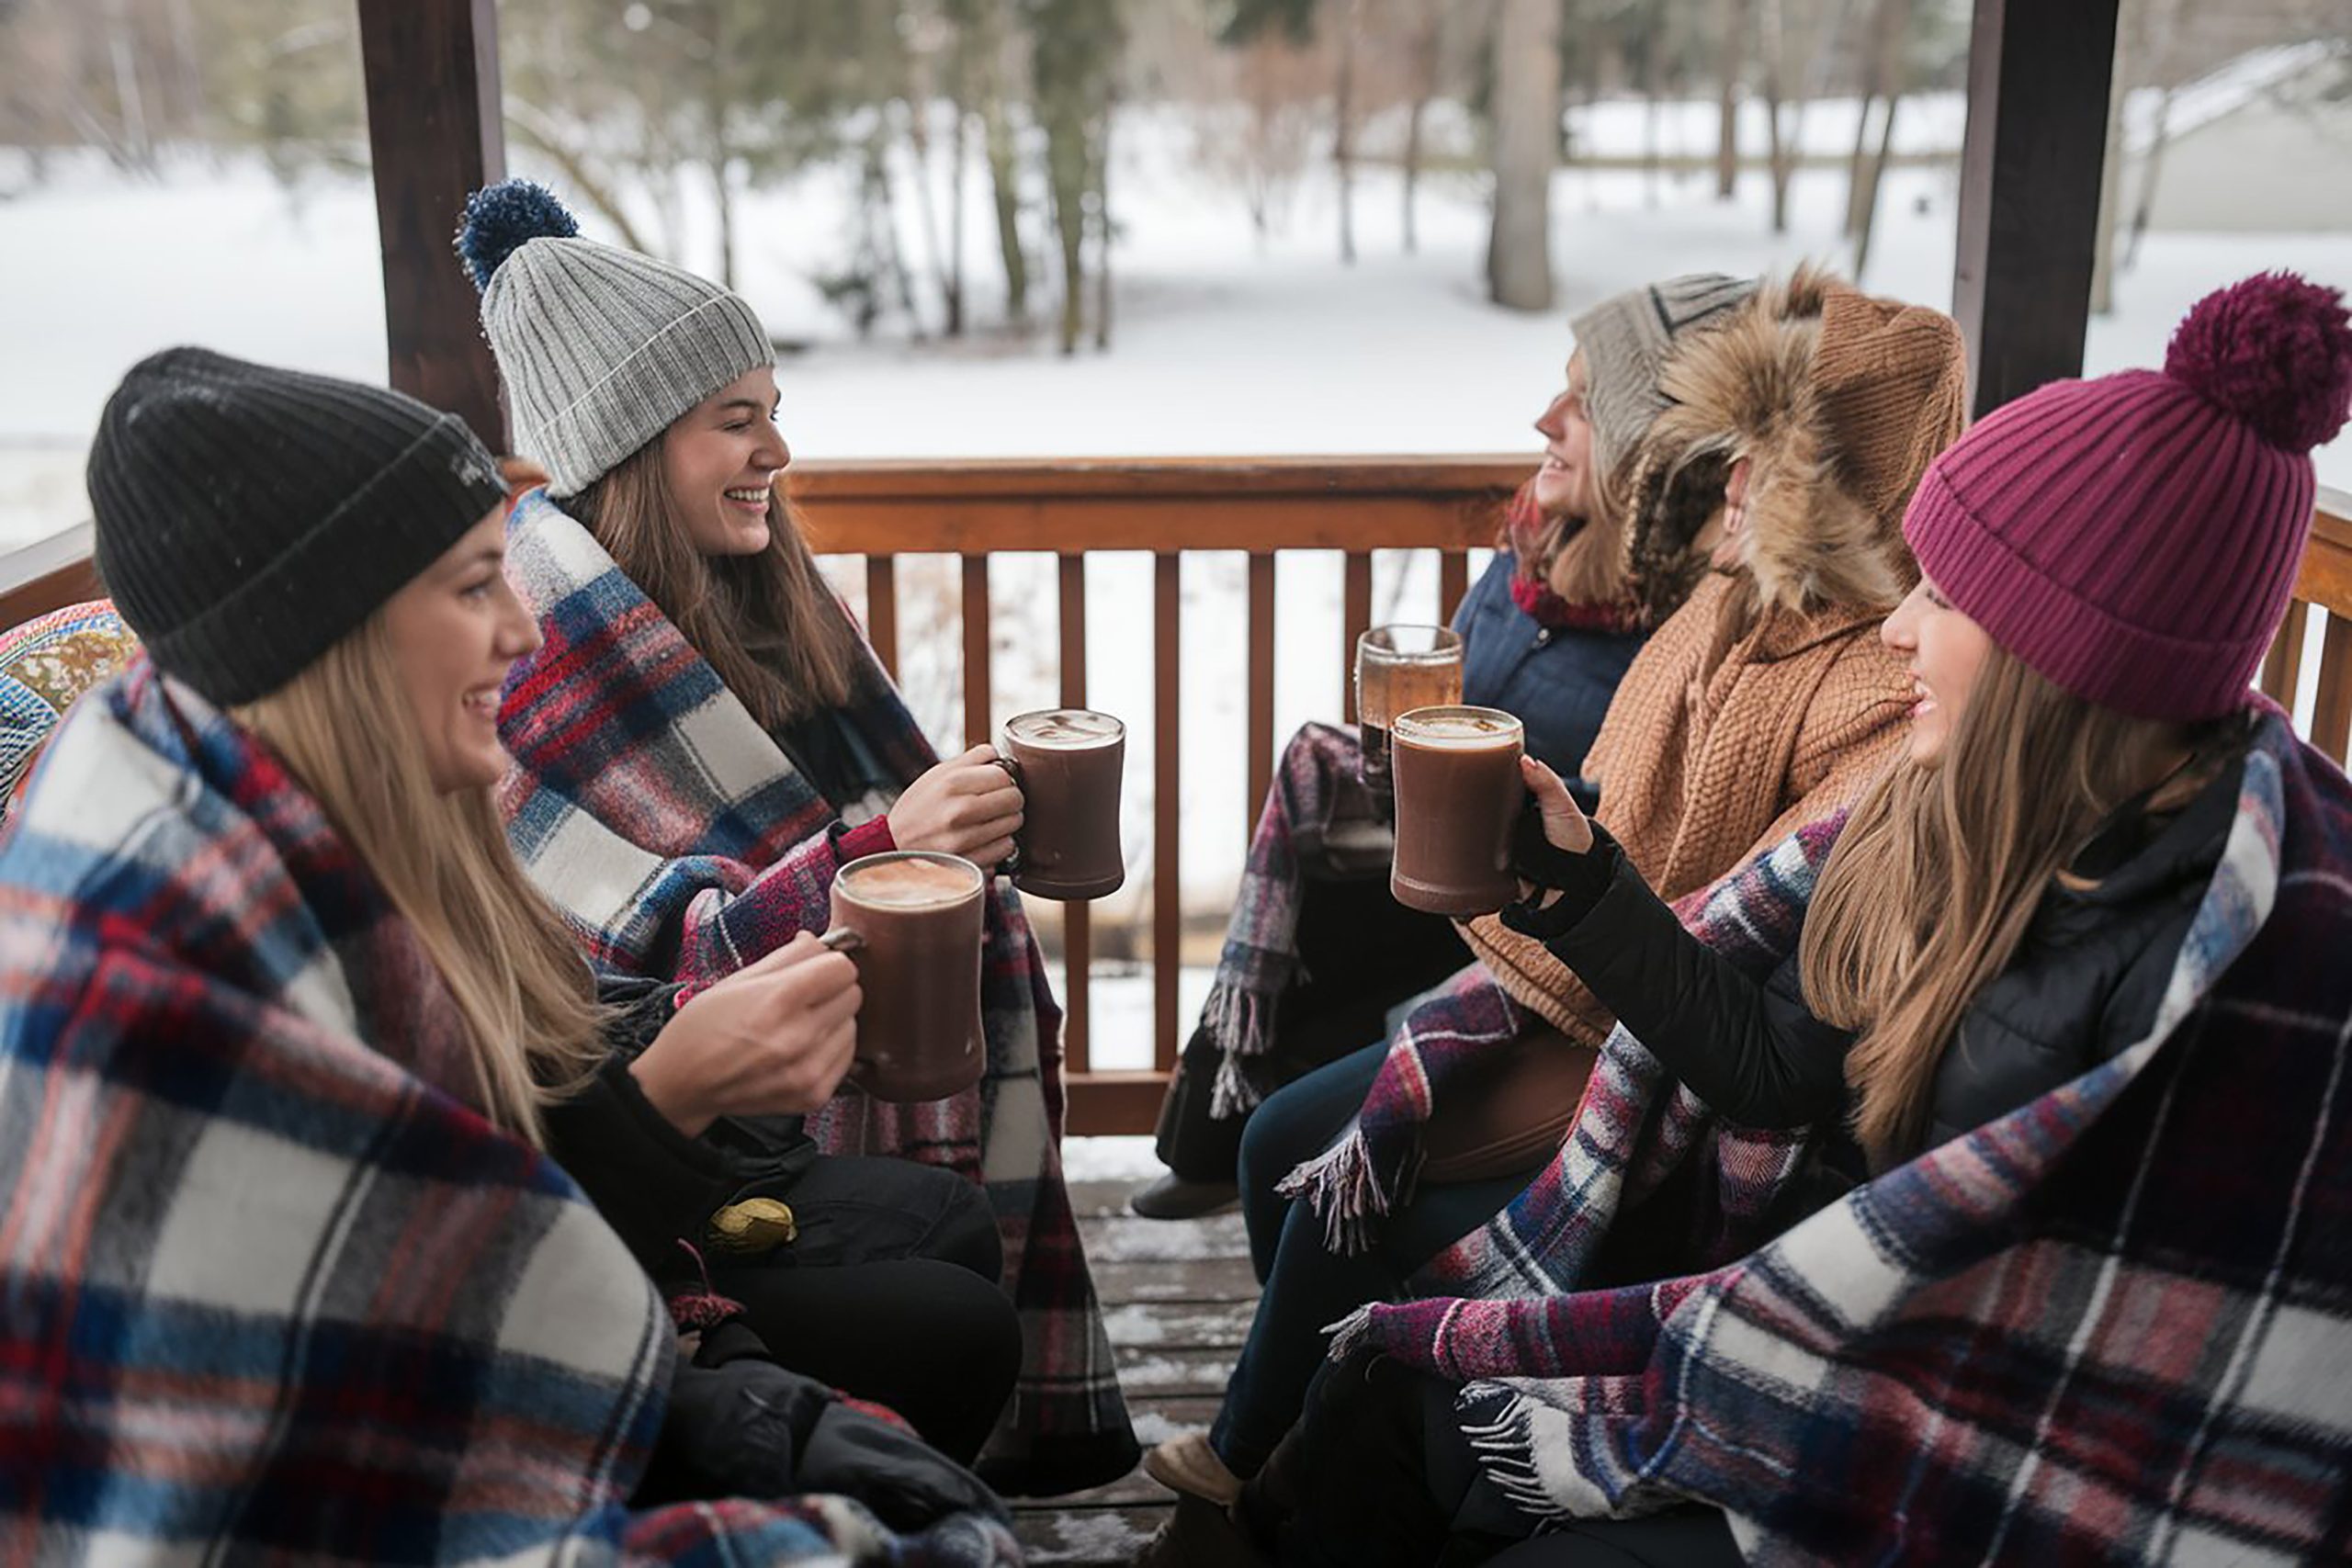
<point x="1177" y="1295"/>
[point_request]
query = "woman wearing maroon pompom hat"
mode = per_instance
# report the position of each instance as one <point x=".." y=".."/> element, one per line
<point x="2008" y="1118"/>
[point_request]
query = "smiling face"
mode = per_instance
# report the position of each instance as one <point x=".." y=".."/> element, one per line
<point x="1945" y="651"/>
<point x="1564" y="484"/>
<point x="720" y="461"/>
<point x="456" y="629"/>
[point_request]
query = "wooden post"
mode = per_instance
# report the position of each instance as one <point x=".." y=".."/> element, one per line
<point x="2029" y="169"/>
<point x="434" y="135"/>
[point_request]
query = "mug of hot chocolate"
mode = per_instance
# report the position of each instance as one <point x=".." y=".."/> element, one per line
<point x="1458" y="796"/>
<point x="912" y="920"/>
<point x="1068" y="762"/>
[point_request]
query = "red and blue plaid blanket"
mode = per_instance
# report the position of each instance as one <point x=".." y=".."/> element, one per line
<point x="270" y="1287"/>
<point x="678" y="839"/>
<point x="2113" y="1325"/>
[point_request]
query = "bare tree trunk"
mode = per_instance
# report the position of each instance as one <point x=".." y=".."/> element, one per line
<point x="194" y="106"/>
<point x="1343" y="128"/>
<point x="1889" y="21"/>
<point x="1527" y="145"/>
<point x="1102" y="215"/>
<point x="1778" y="152"/>
<point x="956" y="158"/>
<point x="2111" y="173"/>
<point x="2163" y="14"/>
<point x="1735" y="40"/>
<point x="726" y="216"/>
<point x="1412" y="168"/>
<point x="1649" y="124"/>
<point x="129" y="100"/>
<point x="1869" y="197"/>
<point x="884" y="206"/>
<point x="926" y="209"/>
<point x="1004" y="183"/>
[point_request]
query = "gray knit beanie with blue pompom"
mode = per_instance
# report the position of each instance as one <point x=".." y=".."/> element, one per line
<point x="600" y="349"/>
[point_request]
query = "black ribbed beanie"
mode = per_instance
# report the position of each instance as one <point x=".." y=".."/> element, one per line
<point x="249" y="518"/>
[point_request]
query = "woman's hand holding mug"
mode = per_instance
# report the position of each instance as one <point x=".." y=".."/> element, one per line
<point x="966" y="806"/>
<point x="773" y="1038"/>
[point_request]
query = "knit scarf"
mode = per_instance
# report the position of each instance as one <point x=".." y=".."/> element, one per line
<point x="679" y="841"/>
<point x="2116" y="1322"/>
<point x="1373" y="1166"/>
<point x="276" y="1289"/>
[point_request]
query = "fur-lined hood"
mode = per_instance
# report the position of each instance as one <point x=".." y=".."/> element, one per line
<point x="1838" y="400"/>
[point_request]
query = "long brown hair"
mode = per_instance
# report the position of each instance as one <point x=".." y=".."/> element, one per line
<point x="766" y="622"/>
<point x="1590" y="562"/>
<point x="518" y="980"/>
<point x="1940" y="868"/>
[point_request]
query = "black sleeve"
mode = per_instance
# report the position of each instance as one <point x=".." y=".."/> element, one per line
<point x="1753" y="1052"/>
<point x="653" y="1185"/>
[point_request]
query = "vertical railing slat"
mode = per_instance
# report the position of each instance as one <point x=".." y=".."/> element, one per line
<point x="882" y="611"/>
<point x="1452" y="582"/>
<point x="975" y="649"/>
<point x="1077" y="928"/>
<point x="2283" y="667"/>
<point x="1168" y="794"/>
<point x="1261" y="688"/>
<point x="1356" y="620"/>
<point x="2332" y="713"/>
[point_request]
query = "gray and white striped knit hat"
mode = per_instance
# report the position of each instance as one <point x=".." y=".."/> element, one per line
<point x="1625" y="339"/>
<point x="600" y="348"/>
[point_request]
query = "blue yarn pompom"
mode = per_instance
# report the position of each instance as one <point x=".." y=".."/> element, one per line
<point x="502" y="219"/>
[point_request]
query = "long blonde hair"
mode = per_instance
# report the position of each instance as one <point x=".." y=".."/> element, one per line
<point x="519" y="981"/>
<point x="1940" y="868"/>
<point x="768" y="622"/>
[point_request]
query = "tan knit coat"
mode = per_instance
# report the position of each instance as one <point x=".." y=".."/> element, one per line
<point x="1767" y="700"/>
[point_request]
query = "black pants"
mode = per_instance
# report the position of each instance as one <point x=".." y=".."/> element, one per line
<point x="890" y="1294"/>
<point x="1376" y="1472"/>
<point x="1363" y="952"/>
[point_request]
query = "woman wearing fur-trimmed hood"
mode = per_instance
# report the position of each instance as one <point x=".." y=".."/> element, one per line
<point x="1778" y="479"/>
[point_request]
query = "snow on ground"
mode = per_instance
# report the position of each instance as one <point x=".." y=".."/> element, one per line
<point x="1223" y="344"/>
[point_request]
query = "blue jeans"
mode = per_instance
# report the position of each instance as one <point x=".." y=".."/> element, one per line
<point x="1308" y="1288"/>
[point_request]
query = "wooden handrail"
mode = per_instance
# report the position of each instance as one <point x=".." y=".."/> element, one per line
<point x="881" y="510"/>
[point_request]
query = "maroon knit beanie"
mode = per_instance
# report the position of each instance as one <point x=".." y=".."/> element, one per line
<point x="2134" y="539"/>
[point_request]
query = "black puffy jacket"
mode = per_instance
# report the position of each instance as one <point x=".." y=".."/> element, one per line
<point x="2084" y="984"/>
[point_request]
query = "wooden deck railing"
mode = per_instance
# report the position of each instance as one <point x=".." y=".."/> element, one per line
<point x="1168" y="507"/>
<point x="971" y="510"/>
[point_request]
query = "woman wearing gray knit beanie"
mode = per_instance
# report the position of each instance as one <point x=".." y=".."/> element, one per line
<point x="704" y="740"/>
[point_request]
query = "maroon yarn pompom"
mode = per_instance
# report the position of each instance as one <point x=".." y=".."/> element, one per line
<point x="2275" y="351"/>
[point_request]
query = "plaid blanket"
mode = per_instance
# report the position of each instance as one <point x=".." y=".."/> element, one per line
<point x="270" y="1287"/>
<point x="678" y="839"/>
<point x="2114" y="1324"/>
<point x="1616" y="1152"/>
<point x="1319" y="785"/>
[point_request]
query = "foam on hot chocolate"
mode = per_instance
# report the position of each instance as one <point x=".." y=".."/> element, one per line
<point x="1069" y="729"/>
<point x="910" y="883"/>
<point x="1458" y="729"/>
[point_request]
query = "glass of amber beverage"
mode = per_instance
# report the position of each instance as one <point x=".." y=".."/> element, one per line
<point x="1399" y="668"/>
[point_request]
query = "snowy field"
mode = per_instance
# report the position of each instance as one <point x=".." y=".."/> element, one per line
<point x="1223" y="344"/>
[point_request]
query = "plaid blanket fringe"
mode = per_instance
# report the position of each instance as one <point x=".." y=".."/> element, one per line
<point x="1318" y="782"/>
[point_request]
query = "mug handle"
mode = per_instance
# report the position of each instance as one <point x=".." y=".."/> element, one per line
<point x="842" y="939"/>
<point x="1010" y="864"/>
